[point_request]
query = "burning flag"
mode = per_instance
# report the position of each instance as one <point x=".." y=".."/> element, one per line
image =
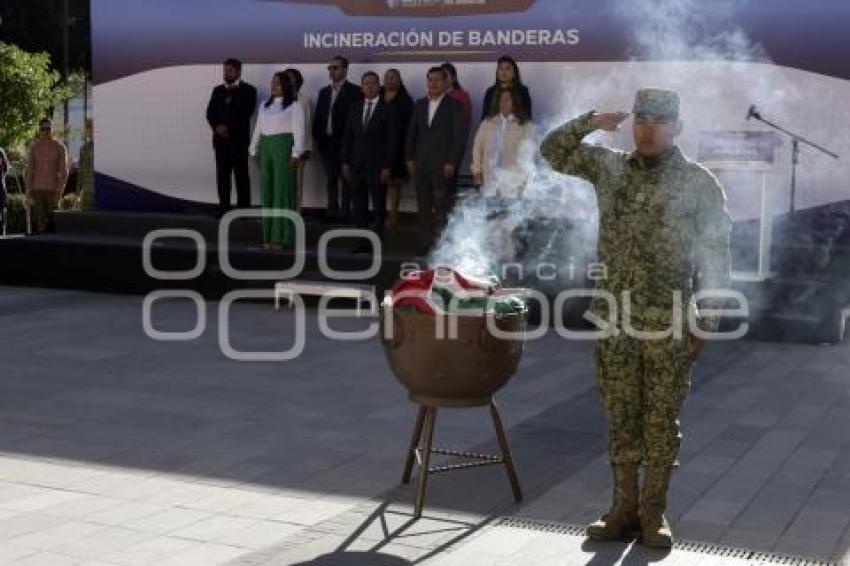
<point x="444" y="290"/>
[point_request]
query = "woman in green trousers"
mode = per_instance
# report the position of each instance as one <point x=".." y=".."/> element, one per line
<point x="278" y="141"/>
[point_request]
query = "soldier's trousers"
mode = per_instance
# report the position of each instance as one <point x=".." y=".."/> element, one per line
<point x="643" y="385"/>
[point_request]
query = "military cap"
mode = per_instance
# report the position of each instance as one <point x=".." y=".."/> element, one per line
<point x="656" y="103"/>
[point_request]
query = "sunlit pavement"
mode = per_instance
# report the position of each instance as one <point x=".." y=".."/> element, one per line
<point x="118" y="449"/>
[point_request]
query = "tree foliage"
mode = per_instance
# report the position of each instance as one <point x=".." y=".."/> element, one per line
<point x="29" y="89"/>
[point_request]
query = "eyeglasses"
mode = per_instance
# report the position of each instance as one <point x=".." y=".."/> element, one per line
<point x="334" y="67"/>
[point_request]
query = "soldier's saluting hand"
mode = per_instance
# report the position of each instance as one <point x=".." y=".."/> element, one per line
<point x="608" y="121"/>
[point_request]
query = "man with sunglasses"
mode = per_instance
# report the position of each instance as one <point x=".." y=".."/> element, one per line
<point x="332" y="107"/>
<point x="663" y="227"/>
<point x="45" y="175"/>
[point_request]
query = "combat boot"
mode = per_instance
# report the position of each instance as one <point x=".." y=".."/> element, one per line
<point x="621" y="521"/>
<point x="654" y="529"/>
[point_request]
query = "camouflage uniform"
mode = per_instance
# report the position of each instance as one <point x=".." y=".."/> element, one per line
<point x="662" y="223"/>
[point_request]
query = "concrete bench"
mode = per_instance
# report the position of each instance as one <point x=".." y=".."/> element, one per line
<point x="338" y="290"/>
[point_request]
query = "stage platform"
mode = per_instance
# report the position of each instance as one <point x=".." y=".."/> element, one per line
<point x="103" y="250"/>
<point x="806" y="299"/>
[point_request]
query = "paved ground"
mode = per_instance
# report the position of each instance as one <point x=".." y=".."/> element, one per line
<point x="116" y="449"/>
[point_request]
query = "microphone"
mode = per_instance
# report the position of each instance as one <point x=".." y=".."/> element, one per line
<point x="753" y="113"/>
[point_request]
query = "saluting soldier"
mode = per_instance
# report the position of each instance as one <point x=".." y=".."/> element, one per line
<point x="663" y="234"/>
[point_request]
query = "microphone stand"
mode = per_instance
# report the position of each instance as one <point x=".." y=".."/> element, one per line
<point x="796" y="140"/>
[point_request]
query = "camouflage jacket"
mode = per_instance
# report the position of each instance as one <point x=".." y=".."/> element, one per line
<point x="663" y="226"/>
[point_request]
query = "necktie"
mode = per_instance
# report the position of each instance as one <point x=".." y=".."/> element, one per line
<point x="368" y="114"/>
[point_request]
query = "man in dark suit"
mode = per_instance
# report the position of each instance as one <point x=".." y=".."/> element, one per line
<point x="229" y="114"/>
<point x="436" y="140"/>
<point x="368" y="147"/>
<point x="332" y="107"/>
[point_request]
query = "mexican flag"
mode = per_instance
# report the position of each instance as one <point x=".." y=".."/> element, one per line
<point x="443" y="290"/>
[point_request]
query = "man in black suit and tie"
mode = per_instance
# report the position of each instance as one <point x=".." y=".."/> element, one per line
<point x="367" y="154"/>
<point x="436" y="140"/>
<point x="229" y="114"/>
<point x="332" y="106"/>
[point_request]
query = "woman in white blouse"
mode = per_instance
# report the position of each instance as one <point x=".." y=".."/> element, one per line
<point x="279" y="141"/>
<point x="502" y="153"/>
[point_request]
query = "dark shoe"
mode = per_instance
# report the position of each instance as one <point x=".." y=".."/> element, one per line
<point x="621" y="521"/>
<point x="655" y="531"/>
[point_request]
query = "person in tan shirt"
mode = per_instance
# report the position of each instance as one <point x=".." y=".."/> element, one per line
<point x="502" y="153"/>
<point x="45" y="176"/>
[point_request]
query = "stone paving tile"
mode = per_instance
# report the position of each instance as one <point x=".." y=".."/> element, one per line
<point x="208" y="554"/>
<point x="151" y="551"/>
<point x="11" y="554"/>
<point x="168" y="521"/>
<point x="801" y="546"/>
<point x="100" y="543"/>
<point x="213" y="528"/>
<point x="47" y="559"/>
<point x="57" y="535"/>
<point x="310" y="512"/>
<point x="773" y="509"/>
<point x="122" y="513"/>
<point x="806" y="466"/>
<point x="815" y="523"/>
<point x="735" y="489"/>
<point x="768" y="454"/>
<point x="258" y="535"/>
<point x="84" y="508"/>
<point x="697" y="529"/>
<point x="713" y="512"/>
<point x="22" y="524"/>
<point x="750" y="538"/>
<point x="712" y="465"/>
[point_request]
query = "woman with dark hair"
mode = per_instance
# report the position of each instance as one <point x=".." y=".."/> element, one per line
<point x="507" y="76"/>
<point x="503" y="152"/>
<point x="279" y="137"/>
<point x="398" y="101"/>
<point x="296" y="79"/>
<point x="456" y="91"/>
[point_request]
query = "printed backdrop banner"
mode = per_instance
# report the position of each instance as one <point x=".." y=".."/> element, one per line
<point x="156" y="62"/>
<point x="132" y="36"/>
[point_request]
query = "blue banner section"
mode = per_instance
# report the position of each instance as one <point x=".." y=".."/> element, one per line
<point x="131" y="36"/>
<point x="115" y="194"/>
